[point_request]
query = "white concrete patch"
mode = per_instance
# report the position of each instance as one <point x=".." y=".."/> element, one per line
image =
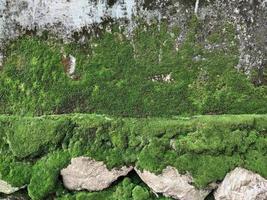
<point x="71" y="16"/>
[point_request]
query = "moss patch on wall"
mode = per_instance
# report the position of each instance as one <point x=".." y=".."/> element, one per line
<point x="206" y="146"/>
<point x="119" y="74"/>
<point x="52" y="131"/>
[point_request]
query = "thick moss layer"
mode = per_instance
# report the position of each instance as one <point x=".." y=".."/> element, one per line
<point x="206" y="146"/>
<point x="117" y="74"/>
<point x="24" y="129"/>
<point x="117" y="77"/>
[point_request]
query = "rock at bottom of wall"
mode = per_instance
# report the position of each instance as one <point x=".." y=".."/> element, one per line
<point x="241" y="184"/>
<point x="6" y="188"/>
<point x="86" y="173"/>
<point x="172" y="184"/>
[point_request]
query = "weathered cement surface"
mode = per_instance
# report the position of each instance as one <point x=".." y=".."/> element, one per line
<point x="63" y="17"/>
<point x="2" y="29"/>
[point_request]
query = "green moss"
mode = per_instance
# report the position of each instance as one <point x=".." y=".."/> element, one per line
<point x="31" y="137"/>
<point x="4" y="149"/>
<point x="207" y="147"/>
<point x="140" y="193"/>
<point x="223" y="33"/>
<point x="15" y="172"/>
<point x="88" y="196"/>
<point x="207" y="168"/>
<point x="116" y="79"/>
<point x="45" y="174"/>
<point x="116" y="75"/>
<point x="127" y="189"/>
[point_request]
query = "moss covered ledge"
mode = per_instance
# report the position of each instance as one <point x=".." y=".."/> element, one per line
<point x="34" y="149"/>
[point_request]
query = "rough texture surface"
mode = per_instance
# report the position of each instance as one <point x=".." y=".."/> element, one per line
<point x="172" y="184"/>
<point x="241" y="184"/>
<point x="85" y="173"/>
<point x="143" y="142"/>
<point x="7" y="188"/>
<point x="60" y="17"/>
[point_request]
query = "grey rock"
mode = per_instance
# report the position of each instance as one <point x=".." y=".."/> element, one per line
<point x="172" y="184"/>
<point x="86" y="173"/>
<point x="242" y="184"/>
<point x="6" y="188"/>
